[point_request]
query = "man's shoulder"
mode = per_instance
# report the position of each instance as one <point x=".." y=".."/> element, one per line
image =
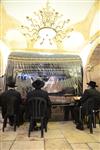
<point x="44" y="91"/>
<point x="3" y="94"/>
<point x="30" y="93"/>
<point x="13" y="90"/>
<point x="87" y="90"/>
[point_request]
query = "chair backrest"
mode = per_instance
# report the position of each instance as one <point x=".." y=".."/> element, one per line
<point x="93" y="104"/>
<point x="37" y="107"/>
<point x="12" y="105"/>
<point x="97" y="104"/>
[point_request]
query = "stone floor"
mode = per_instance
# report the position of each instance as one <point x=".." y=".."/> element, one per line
<point x="60" y="136"/>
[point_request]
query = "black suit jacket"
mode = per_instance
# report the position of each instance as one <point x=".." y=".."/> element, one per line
<point x="40" y="93"/>
<point x="5" y="100"/>
<point x="44" y="94"/>
<point x="90" y="98"/>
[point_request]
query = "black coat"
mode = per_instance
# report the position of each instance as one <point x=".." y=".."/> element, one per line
<point x="44" y="94"/>
<point x="90" y="99"/>
<point x="6" y="101"/>
<point x="0" y="99"/>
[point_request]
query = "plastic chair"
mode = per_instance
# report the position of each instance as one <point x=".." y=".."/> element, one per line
<point x="37" y="110"/>
<point x="96" y="115"/>
<point x="90" y="115"/>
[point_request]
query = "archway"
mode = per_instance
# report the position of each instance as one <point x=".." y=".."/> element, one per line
<point x="94" y="65"/>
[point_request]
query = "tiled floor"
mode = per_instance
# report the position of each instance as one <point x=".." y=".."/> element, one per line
<point x="60" y="136"/>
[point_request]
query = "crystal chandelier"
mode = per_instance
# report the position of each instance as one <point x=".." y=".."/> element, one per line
<point x="46" y="24"/>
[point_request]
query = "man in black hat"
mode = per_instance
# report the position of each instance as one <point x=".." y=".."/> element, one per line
<point x="38" y="92"/>
<point x="90" y="96"/>
<point x="7" y="103"/>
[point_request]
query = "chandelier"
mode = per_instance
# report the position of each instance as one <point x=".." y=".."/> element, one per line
<point x="46" y="24"/>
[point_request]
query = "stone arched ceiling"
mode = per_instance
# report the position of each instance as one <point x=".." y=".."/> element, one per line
<point x="81" y="14"/>
<point x="95" y="57"/>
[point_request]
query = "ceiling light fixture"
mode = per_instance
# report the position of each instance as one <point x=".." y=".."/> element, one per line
<point x="46" y="24"/>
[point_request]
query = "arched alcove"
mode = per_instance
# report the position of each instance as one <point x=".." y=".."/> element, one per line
<point x="94" y="65"/>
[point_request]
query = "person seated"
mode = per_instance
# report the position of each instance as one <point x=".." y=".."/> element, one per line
<point x="38" y="92"/>
<point x="7" y="106"/>
<point x="90" y="96"/>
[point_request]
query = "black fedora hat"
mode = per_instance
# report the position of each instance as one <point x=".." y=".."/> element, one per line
<point x="11" y="84"/>
<point x="38" y="84"/>
<point x="92" y="84"/>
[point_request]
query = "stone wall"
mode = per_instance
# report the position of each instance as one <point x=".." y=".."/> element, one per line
<point x="95" y="75"/>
